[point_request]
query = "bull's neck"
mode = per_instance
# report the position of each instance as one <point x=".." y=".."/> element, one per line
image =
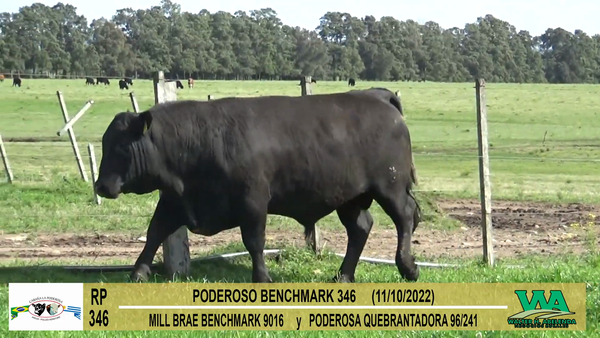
<point x="169" y="175"/>
<point x="139" y="161"/>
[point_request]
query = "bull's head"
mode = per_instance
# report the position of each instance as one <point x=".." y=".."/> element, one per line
<point x="128" y="157"/>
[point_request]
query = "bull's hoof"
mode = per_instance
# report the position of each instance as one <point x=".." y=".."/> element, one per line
<point x="140" y="274"/>
<point x="340" y="278"/>
<point x="345" y="279"/>
<point x="262" y="279"/>
<point x="411" y="275"/>
<point x="408" y="268"/>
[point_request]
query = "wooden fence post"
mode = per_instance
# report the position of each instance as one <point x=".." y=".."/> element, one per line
<point x="484" y="173"/>
<point x="94" y="171"/>
<point x="313" y="238"/>
<point x="5" y="161"/>
<point x="134" y="103"/>
<point x="305" y="85"/>
<point x="65" y="113"/>
<point x="176" y="248"/>
<point x="72" y="121"/>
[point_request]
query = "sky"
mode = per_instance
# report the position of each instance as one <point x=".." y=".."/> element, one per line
<point x="534" y="16"/>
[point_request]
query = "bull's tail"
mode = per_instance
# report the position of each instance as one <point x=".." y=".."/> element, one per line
<point x="413" y="176"/>
<point x="417" y="213"/>
<point x="413" y="170"/>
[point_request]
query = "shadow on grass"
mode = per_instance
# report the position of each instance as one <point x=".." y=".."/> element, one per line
<point x="285" y="266"/>
<point x="210" y="271"/>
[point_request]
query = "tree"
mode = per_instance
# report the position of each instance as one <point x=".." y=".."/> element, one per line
<point x="56" y="40"/>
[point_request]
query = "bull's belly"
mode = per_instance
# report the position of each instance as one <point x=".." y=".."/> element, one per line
<point x="304" y="202"/>
<point x="307" y="207"/>
<point x="209" y="219"/>
<point x="210" y="229"/>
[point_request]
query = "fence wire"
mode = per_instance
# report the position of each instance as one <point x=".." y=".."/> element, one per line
<point x="497" y="213"/>
<point x="417" y="154"/>
<point x="35" y="162"/>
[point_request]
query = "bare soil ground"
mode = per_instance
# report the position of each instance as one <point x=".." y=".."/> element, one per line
<point x="519" y="228"/>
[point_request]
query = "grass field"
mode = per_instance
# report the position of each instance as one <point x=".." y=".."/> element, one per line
<point x="544" y="147"/>
<point x="441" y="118"/>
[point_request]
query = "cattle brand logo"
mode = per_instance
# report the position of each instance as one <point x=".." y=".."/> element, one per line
<point x="45" y="308"/>
<point x="543" y="311"/>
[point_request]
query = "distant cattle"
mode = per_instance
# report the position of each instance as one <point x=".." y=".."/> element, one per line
<point x="129" y="81"/>
<point x="17" y="82"/>
<point x="1" y="77"/>
<point x="351" y="82"/>
<point x="191" y="83"/>
<point x="102" y="80"/>
<point x="89" y="81"/>
<point x="179" y="85"/>
<point x="123" y="84"/>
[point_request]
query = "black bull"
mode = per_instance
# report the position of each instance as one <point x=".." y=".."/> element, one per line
<point x="230" y="162"/>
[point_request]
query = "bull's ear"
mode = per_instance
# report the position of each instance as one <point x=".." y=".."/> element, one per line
<point x="146" y="121"/>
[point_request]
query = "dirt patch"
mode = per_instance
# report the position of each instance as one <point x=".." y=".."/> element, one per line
<point x="519" y="228"/>
<point x="521" y="215"/>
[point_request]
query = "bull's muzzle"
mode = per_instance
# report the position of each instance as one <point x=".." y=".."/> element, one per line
<point x="106" y="191"/>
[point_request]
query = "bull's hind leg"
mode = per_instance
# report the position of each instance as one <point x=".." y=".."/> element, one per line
<point x="165" y="221"/>
<point x="358" y="223"/>
<point x="401" y="207"/>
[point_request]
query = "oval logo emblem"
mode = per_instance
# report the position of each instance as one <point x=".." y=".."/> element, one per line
<point x="46" y="309"/>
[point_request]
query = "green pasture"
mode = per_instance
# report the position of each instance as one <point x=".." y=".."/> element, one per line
<point x="543" y="139"/>
<point x="544" y="147"/>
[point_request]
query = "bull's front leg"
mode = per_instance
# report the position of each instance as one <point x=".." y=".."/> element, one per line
<point x="253" y="225"/>
<point x="165" y="221"/>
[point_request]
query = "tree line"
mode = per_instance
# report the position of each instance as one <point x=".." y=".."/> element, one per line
<point x="56" y="41"/>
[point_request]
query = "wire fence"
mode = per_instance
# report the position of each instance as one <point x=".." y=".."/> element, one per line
<point x="447" y="171"/>
<point x="54" y="168"/>
<point x="500" y="211"/>
<point x="417" y="154"/>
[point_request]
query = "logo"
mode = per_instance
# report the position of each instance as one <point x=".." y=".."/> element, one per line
<point x="543" y="311"/>
<point x="45" y="309"/>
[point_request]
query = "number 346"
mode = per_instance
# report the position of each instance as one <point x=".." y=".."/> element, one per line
<point x="101" y="318"/>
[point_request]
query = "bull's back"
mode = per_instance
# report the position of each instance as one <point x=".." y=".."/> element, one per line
<point x="313" y="152"/>
<point x="321" y="151"/>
